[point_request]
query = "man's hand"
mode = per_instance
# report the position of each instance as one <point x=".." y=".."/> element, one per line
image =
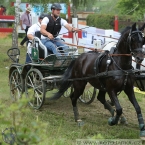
<point x="21" y="24"/>
<point x="70" y="28"/>
<point x="22" y="28"/>
<point x="50" y="36"/>
<point x="30" y="36"/>
<point x="75" y="30"/>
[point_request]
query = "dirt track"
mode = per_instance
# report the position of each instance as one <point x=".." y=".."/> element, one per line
<point x="63" y="105"/>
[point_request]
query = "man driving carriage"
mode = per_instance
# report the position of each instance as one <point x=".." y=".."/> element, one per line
<point x="50" y="28"/>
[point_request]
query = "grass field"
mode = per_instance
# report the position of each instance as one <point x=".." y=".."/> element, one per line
<point x="57" y="117"/>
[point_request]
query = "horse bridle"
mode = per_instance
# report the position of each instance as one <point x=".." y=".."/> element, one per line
<point x="139" y="33"/>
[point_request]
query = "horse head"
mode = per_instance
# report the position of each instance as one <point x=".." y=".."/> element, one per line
<point x="135" y="42"/>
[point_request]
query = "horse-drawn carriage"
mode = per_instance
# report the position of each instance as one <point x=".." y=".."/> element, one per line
<point x="43" y="74"/>
<point x="110" y="72"/>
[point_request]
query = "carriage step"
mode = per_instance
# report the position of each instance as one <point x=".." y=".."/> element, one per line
<point x="52" y="77"/>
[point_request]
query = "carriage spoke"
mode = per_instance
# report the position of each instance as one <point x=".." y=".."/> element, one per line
<point x="89" y="94"/>
<point x="16" y="85"/>
<point x="38" y="98"/>
<point x="39" y="91"/>
<point x="31" y="81"/>
<point x="18" y="92"/>
<point x="34" y="83"/>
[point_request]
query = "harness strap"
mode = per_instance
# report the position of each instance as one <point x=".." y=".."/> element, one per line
<point x="97" y="62"/>
<point x="109" y="74"/>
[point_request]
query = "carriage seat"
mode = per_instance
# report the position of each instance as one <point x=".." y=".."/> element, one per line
<point x="109" y="45"/>
<point x="43" y="52"/>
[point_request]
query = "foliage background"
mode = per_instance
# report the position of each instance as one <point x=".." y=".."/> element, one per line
<point x="106" y="21"/>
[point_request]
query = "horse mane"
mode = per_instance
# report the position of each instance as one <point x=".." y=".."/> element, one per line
<point x="125" y="30"/>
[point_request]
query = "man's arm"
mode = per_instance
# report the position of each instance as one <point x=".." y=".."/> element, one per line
<point x="21" y="21"/>
<point x="45" y="33"/>
<point x="31" y="32"/>
<point x="30" y="36"/>
<point x="21" y="24"/>
<point x="67" y="26"/>
<point x="70" y="28"/>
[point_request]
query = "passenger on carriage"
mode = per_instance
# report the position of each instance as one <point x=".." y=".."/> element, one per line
<point x="50" y="28"/>
<point x="33" y="31"/>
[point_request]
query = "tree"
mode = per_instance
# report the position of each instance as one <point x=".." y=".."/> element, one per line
<point x="132" y="7"/>
<point x="75" y="3"/>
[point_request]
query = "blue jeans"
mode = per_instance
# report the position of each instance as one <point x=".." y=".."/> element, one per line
<point x="28" y="59"/>
<point x="52" y="44"/>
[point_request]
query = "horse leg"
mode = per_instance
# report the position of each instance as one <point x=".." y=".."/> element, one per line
<point x="131" y="96"/>
<point x="78" y="91"/>
<point x="75" y="109"/>
<point x="123" y="119"/>
<point x="114" y="120"/>
<point x="101" y="98"/>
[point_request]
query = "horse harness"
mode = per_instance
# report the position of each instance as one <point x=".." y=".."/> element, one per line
<point x="119" y="72"/>
<point x="106" y="73"/>
<point x="131" y="34"/>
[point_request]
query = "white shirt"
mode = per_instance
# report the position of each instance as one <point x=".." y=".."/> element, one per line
<point x="34" y="28"/>
<point x="45" y="21"/>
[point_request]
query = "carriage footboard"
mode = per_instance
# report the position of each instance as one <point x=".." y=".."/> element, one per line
<point x="52" y="78"/>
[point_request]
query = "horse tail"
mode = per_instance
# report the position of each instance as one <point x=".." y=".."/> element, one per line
<point x="65" y="84"/>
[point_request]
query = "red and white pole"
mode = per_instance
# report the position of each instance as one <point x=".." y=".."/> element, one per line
<point x="116" y="24"/>
<point x="69" y="15"/>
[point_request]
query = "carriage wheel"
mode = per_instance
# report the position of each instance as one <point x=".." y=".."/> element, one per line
<point x="35" y="88"/>
<point x="16" y="85"/>
<point x="68" y="92"/>
<point x="89" y="94"/>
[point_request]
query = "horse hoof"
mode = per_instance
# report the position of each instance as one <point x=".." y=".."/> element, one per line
<point x="142" y="135"/>
<point x="123" y="120"/>
<point x="110" y="121"/>
<point x="112" y="112"/>
<point x="80" y="122"/>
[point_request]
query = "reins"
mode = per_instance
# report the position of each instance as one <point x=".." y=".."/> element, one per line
<point x="98" y="50"/>
<point x="138" y="63"/>
<point x="120" y="54"/>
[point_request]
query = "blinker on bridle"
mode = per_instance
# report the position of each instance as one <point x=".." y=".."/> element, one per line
<point x="140" y="36"/>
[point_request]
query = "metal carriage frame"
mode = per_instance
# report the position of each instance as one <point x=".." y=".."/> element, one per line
<point x="43" y="74"/>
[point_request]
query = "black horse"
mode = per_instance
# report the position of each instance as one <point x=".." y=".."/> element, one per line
<point x="109" y="72"/>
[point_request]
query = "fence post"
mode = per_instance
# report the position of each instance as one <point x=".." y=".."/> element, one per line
<point x="116" y="24"/>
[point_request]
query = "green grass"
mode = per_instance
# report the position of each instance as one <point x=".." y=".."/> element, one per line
<point x="60" y="128"/>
